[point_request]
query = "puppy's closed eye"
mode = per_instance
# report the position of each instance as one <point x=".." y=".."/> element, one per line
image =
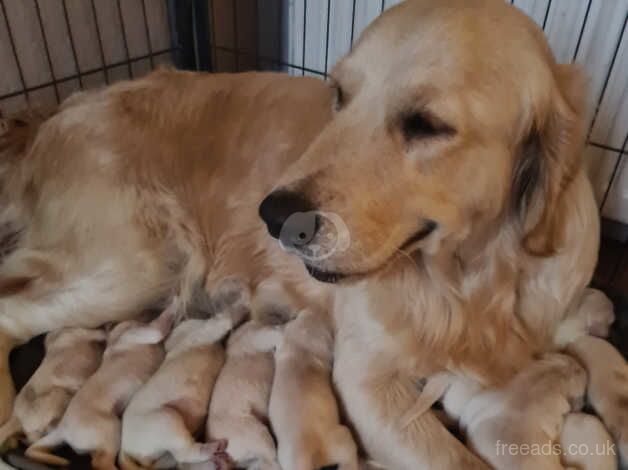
<point x="420" y="125"/>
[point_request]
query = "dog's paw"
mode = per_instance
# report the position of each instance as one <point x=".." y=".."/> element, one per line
<point x="599" y="312"/>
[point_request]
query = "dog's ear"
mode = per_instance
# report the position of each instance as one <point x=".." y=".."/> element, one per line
<point x="550" y="157"/>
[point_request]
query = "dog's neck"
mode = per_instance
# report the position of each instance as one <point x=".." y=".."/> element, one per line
<point x="461" y="305"/>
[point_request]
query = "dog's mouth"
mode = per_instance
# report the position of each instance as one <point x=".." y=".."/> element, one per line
<point x="428" y="227"/>
<point x="332" y="277"/>
<point x="329" y="277"/>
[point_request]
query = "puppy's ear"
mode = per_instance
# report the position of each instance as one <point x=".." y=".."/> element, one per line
<point x="550" y="158"/>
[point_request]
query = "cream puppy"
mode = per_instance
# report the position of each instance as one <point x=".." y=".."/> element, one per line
<point x="239" y="405"/>
<point x="518" y="426"/>
<point x="592" y="316"/>
<point x="607" y="387"/>
<point x="303" y="409"/>
<point x="166" y="413"/>
<point x="72" y="356"/>
<point x="92" y="420"/>
<point x="586" y="444"/>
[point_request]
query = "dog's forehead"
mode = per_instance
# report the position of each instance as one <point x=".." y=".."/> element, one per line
<point x="457" y="58"/>
<point x="450" y="42"/>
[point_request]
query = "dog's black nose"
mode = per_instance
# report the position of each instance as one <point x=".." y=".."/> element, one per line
<point x="289" y="216"/>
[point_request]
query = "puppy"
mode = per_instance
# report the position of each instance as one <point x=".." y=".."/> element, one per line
<point x="593" y="316"/>
<point x="607" y="387"/>
<point x="92" y="420"/>
<point x="586" y="444"/>
<point x="511" y="427"/>
<point x="72" y="356"/>
<point x="175" y="400"/>
<point x="303" y="409"/>
<point x="239" y="406"/>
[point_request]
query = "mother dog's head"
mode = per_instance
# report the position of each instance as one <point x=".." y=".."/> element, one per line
<point x="452" y="121"/>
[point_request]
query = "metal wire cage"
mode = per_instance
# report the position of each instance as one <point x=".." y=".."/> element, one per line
<point x="50" y="48"/>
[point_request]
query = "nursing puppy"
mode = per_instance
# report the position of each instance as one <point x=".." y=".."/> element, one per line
<point x="170" y="409"/>
<point x="303" y="409"/>
<point x="72" y="356"/>
<point x="92" y="420"/>
<point x="607" y="386"/>
<point x="586" y="444"/>
<point x="529" y="411"/>
<point x="239" y="405"/>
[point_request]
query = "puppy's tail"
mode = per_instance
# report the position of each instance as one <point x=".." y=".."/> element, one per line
<point x="40" y="450"/>
<point x="8" y="430"/>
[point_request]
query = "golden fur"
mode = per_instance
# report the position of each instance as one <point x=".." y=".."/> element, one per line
<point x="152" y="187"/>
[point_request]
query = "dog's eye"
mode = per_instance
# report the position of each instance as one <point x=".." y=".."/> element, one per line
<point x="339" y="97"/>
<point x="418" y="125"/>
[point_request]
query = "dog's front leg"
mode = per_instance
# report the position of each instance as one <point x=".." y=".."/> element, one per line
<point x="377" y="407"/>
<point x="7" y="390"/>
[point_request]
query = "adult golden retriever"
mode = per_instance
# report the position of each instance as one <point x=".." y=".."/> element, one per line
<point x="451" y="170"/>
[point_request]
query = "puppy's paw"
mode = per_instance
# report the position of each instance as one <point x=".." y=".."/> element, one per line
<point x="221" y="461"/>
<point x="215" y="447"/>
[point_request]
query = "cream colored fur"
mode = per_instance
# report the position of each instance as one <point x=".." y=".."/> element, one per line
<point x="175" y="399"/>
<point x="607" y="386"/>
<point x="238" y="411"/>
<point x="92" y="422"/>
<point x="303" y="410"/>
<point x="586" y="444"/>
<point x="514" y="426"/>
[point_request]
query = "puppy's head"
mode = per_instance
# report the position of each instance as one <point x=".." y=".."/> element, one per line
<point x="571" y="376"/>
<point x="452" y="120"/>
